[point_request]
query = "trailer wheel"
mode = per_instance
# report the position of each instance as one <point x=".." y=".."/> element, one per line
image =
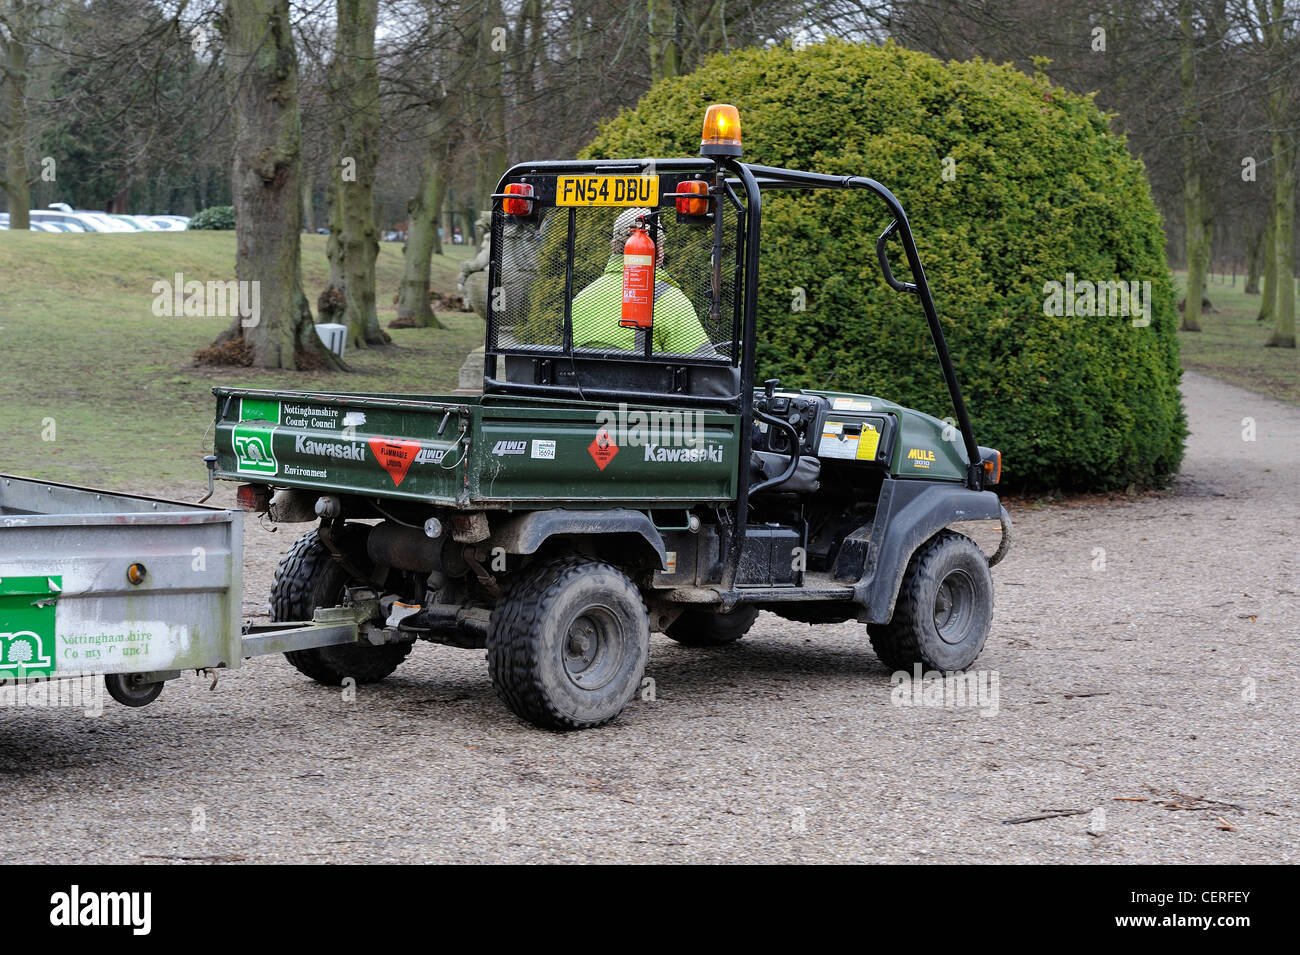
<point x="568" y="643"/>
<point x="944" y="608"/>
<point x="709" y="628"/>
<point x="308" y="577"/>
<point x="130" y="690"/>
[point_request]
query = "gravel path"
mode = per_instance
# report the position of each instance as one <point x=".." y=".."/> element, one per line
<point x="1146" y="658"/>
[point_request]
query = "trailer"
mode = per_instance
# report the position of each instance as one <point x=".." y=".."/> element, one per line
<point x="134" y="589"/>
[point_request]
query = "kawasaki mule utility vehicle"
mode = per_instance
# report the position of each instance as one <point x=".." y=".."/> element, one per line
<point x="621" y="473"/>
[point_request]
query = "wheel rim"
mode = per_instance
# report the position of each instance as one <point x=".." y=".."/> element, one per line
<point x="593" y="648"/>
<point x="954" y="607"/>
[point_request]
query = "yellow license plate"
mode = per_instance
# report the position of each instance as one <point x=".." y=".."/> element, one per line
<point x="607" y="191"/>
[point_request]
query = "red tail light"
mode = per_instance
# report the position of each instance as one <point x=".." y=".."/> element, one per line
<point x="254" y="497"/>
<point x="688" y="206"/>
<point x="518" y="207"/>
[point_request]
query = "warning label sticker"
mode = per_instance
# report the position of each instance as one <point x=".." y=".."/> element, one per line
<point x="395" y="456"/>
<point x="851" y="404"/>
<point x="849" y="441"/>
<point x="602" y="449"/>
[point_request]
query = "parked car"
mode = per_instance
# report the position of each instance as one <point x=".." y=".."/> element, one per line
<point x="99" y="221"/>
<point x="170" y="223"/>
<point x="68" y="222"/>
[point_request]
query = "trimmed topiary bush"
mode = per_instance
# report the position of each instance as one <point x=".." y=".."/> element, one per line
<point x="1010" y="183"/>
<point x="217" y="218"/>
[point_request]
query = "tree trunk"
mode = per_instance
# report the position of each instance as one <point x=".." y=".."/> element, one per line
<point x="308" y="205"/>
<point x="489" y="97"/>
<point x="1196" y="218"/>
<point x="358" y="116"/>
<point x="1284" y="303"/>
<point x="1282" y="119"/>
<point x="423" y="213"/>
<point x="1254" y="259"/>
<point x="262" y="77"/>
<point x="1198" y="232"/>
<point x="16" y="181"/>
<point x="1270" y="271"/>
<point x="663" y="40"/>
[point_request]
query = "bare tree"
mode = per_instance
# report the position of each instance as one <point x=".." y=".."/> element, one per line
<point x="17" y="25"/>
<point x="262" y="79"/>
<point x="354" y="89"/>
<point x="1273" y="26"/>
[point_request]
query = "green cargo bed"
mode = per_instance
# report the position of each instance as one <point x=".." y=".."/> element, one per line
<point x="472" y="452"/>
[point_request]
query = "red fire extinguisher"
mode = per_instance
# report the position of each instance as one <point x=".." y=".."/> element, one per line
<point x="638" y="280"/>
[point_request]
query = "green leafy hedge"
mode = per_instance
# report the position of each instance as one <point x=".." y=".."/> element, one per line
<point x="1038" y="187"/>
<point x="218" y="218"/>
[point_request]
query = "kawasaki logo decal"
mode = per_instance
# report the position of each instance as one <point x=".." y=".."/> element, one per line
<point x="27" y="626"/>
<point x="706" y="453"/>
<point x="343" y="450"/>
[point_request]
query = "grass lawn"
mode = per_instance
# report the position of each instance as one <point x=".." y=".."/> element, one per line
<point x="86" y="361"/>
<point x="1230" y="345"/>
<point x="88" y="364"/>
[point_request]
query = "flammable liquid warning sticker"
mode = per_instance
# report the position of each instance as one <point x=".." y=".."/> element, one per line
<point x="602" y="449"/>
<point x="395" y="456"/>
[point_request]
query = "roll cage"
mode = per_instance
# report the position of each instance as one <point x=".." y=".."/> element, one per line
<point x="686" y="380"/>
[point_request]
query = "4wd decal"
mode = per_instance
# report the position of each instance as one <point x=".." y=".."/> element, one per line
<point x="395" y="456"/>
<point x="252" y="442"/>
<point x="503" y="448"/>
<point x="602" y="449"/>
<point x="27" y="626"/>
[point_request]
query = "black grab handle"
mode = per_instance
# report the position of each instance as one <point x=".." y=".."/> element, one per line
<point x="883" y="256"/>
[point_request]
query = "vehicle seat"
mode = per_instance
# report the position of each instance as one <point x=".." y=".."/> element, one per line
<point x="765" y="465"/>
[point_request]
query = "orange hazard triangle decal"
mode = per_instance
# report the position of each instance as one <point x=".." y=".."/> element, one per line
<point x="603" y="449"/>
<point x="395" y="457"/>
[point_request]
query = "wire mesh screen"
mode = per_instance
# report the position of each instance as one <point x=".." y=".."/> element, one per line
<point x="558" y="284"/>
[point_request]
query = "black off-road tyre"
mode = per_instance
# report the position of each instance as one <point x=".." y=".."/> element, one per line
<point x="708" y="628"/>
<point x="568" y="643"/>
<point x="944" y="608"/>
<point x="308" y="577"/>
